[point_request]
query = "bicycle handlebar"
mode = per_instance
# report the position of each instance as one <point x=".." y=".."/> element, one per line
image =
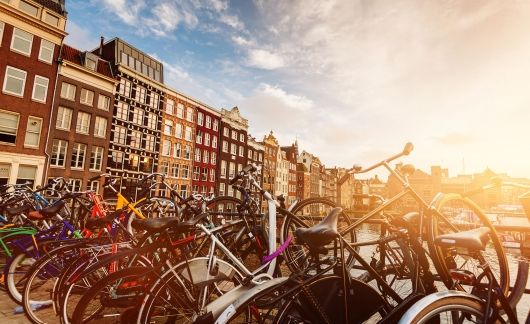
<point x="406" y="151"/>
<point x="248" y="169"/>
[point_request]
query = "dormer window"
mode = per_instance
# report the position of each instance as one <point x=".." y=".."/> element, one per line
<point x="51" y="19"/>
<point x="91" y="61"/>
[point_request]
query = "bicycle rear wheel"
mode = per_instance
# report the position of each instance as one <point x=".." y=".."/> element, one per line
<point x="455" y="213"/>
<point x="310" y="212"/>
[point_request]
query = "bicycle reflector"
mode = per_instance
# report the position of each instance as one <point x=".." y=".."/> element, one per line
<point x="463" y="276"/>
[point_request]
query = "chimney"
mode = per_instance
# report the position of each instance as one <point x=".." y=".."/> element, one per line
<point x="101" y="46"/>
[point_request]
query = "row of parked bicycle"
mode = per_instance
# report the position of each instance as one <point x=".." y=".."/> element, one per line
<point x="200" y="259"/>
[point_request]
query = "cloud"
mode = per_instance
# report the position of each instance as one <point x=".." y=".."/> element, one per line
<point x="232" y="21"/>
<point x="241" y="41"/>
<point x="455" y="139"/>
<point x="290" y="100"/>
<point x="127" y="10"/>
<point x="264" y="59"/>
<point x="80" y="38"/>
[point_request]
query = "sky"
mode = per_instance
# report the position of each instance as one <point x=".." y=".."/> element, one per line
<point x="351" y="80"/>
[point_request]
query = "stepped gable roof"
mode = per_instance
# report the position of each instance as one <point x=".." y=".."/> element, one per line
<point x="76" y="56"/>
<point x="52" y="5"/>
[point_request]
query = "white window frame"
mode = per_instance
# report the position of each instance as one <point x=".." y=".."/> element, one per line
<point x="34" y="119"/>
<point x="13" y="128"/>
<point x="46" y="46"/>
<point x="67" y="87"/>
<point x="60" y="122"/>
<point x="98" y="132"/>
<point x="84" y="99"/>
<point x="2" y="26"/>
<point x="60" y="148"/>
<point x="28" y="53"/>
<point x="40" y="78"/>
<point x="200" y="118"/>
<point x="77" y="156"/>
<point x="79" y="127"/>
<point x="23" y="81"/>
<point x="122" y="135"/>
<point x="166" y="147"/>
<point x="96" y="150"/>
<point x="102" y="99"/>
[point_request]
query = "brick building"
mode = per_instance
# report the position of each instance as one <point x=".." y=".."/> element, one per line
<point x="81" y="118"/>
<point x="233" y="141"/>
<point x="269" y="162"/>
<point x="206" y="149"/>
<point x="291" y="154"/>
<point x="31" y="33"/>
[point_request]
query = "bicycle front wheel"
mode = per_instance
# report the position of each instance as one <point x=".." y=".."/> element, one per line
<point x="455" y="213"/>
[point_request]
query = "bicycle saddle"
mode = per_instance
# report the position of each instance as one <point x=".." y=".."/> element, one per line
<point x="475" y="239"/>
<point x="154" y="224"/>
<point x="12" y="211"/>
<point x="322" y="233"/>
<point x="46" y="212"/>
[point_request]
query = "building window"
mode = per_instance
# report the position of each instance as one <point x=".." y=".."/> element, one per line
<point x="204" y="174"/>
<point x="100" y="127"/>
<point x="33" y="132"/>
<point x="197" y="154"/>
<point x="83" y="123"/>
<point x="225" y="146"/>
<point x="214" y="141"/>
<point x="200" y="118"/>
<point x="215" y="125"/>
<point x="46" y="51"/>
<point x="94" y="186"/>
<point x="187" y="152"/>
<point x="64" y="118"/>
<point x="138" y="116"/>
<point x="206" y="139"/>
<point x="233" y="149"/>
<point x="151" y="120"/>
<point x="184" y="191"/>
<point x="241" y="137"/>
<point x="150" y="143"/>
<point x="68" y="91"/>
<point x="175" y="167"/>
<point x="103" y="102"/>
<point x="14" y="81"/>
<point x="188" y="135"/>
<point x="185" y="171"/>
<point x="58" y="157"/>
<point x="214" y="158"/>
<point x="249" y="154"/>
<point x="205" y="156"/>
<point x="54" y="21"/>
<point x="208" y="122"/>
<point x="168" y="127"/>
<point x="176" y="150"/>
<point x="241" y="151"/>
<point x="136" y="139"/>
<point x="155" y="99"/>
<point x="212" y="175"/>
<point x="232" y="170"/>
<point x="196" y="173"/>
<point x="178" y="130"/>
<point x="180" y="110"/>
<point x="75" y="184"/>
<point x="140" y="94"/>
<point x="122" y="111"/>
<point x="28" y="8"/>
<point x="189" y="114"/>
<point x="125" y="88"/>
<point x="120" y="135"/>
<point x="2" y="25"/>
<point x="198" y="138"/>
<point x="96" y="158"/>
<point x="90" y="64"/>
<point x="40" y="89"/>
<point x="164" y="168"/>
<point x="87" y="97"/>
<point x="223" y="169"/>
<point x="133" y="161"/>
<point x="169" y="106"/>
<point x="78" y="156"/>
<point x="146" y="164"/>
<point x="166" y="147"/>
<point x="117" y="160"/>
<point x="26" y="173"/>
<point x="226" y="132"/>
<point x="234" y="135"/>
<point x="222" y="189"/>
<point x="21" y="41"/>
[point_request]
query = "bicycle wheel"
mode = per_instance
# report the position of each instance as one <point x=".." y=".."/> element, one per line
<point x="310" y="212"/>
<point x="454" y="214"/>
<point x="15" y="273"/>
<point x="180" y="291"/>
<point x="327" y="294"/>
<point x="449" y="308"/>
<point x="114" y="299"/>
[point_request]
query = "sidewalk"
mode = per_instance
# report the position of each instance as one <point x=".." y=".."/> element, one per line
<point x="6" y="311"/>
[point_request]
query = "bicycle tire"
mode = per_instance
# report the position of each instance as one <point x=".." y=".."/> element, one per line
<point x="304" y="210"/>
<point x="129" y="282"/>
<point x="446" y="205"/>
<point x="432" y="308"/>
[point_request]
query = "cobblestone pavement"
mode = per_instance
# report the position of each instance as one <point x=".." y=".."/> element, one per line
<point x="6" y="311"/>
